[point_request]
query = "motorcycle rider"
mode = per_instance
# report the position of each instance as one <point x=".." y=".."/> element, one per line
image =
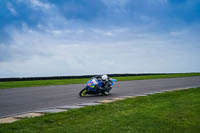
<point x="106" y="83"/>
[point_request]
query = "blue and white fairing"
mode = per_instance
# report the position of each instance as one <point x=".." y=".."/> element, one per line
<point x="91" y="84"/>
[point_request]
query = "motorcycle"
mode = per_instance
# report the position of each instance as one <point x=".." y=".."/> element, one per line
<point x="95" y="86"/>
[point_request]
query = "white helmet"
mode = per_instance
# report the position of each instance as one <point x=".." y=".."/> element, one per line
<point x="104" y="77"/>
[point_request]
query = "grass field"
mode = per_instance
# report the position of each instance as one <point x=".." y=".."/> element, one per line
<point x="16" y="84"/>
<point x="170" y="112"/>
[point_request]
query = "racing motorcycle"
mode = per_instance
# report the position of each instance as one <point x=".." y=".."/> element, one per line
<point x="96" y="86"/>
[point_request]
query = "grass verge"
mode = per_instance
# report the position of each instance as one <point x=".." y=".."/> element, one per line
<point x="175" y="112"/>
<point x="17" y="84"/>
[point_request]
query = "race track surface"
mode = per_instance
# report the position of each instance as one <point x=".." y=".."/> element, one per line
<point x="20" y="100"/>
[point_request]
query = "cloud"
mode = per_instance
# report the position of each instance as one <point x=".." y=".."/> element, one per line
<point x="37" y="4"/>
<point x="50" y="38"/>
<point x="82" y="10"/>
<point x="91" y="51"/>
<point x="113" y="3"/>
<point x="11" y="9"/>
<point x="177" y="33"/>
<point x="157" y="2"/>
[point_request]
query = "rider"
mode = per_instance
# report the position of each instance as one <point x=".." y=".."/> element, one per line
<point x="106" y="83"/>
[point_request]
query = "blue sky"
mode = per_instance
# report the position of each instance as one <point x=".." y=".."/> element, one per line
<point x="76" y="37"/>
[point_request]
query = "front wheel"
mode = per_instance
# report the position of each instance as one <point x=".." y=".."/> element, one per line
<point x="83" y="92"/>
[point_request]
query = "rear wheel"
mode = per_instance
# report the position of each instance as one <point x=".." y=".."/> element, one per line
<point x="83" y="93"/>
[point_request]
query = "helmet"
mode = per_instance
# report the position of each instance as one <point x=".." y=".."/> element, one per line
<point x="104" y="77"/>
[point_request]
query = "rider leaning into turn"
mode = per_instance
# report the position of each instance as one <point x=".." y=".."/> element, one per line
<point x="106" y="82"/>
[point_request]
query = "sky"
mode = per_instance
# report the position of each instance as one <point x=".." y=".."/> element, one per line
<point x="81" y="37"/>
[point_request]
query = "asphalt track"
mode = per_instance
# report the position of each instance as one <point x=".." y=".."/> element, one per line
<point x="20" y="100"/>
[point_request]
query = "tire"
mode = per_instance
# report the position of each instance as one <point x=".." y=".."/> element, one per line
<point x="83" y="92"/>
<point x="105" y="93"/>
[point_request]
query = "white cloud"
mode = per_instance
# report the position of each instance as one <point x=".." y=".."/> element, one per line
<point x="62" y="47"/>
<point x="157" y="2"/>
<point x="103" y="32"/>
<point x="57" y="52"/>
<point x="120" y="3"/>
<point x="108" y="33"/>
<point x="116" y="6"/>
<point x="38" y="3"/>
<point x="177" y="33"/>
<point x="11" y="9"/>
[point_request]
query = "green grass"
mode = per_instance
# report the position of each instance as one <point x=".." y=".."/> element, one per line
<point x="16" y="84"/>
<point x="170" y="112"/>
<point x="157" y="76"/>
